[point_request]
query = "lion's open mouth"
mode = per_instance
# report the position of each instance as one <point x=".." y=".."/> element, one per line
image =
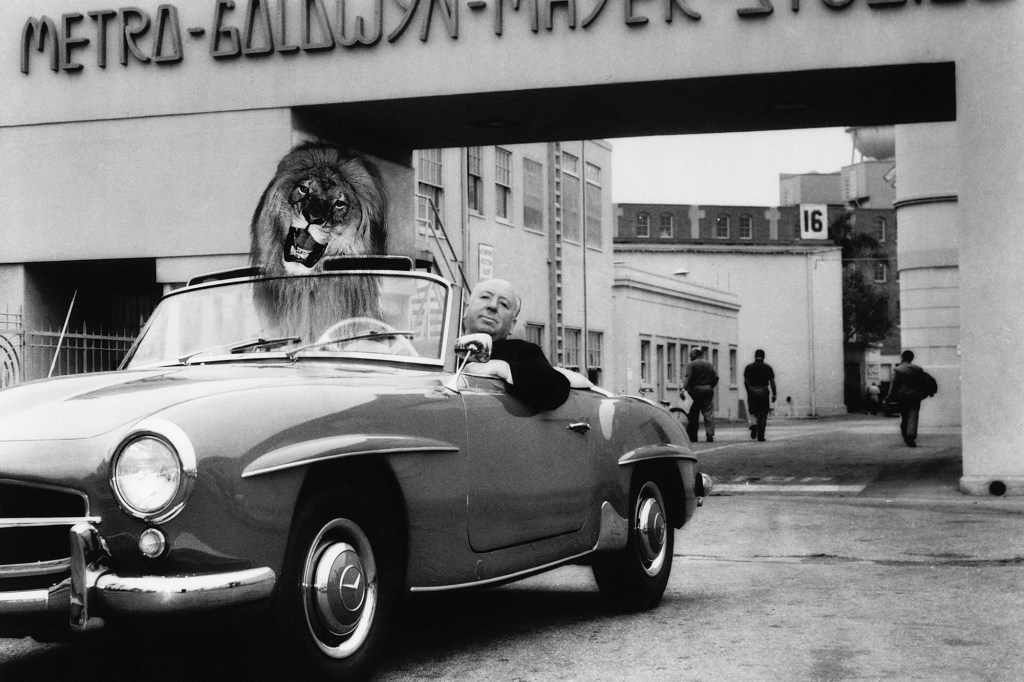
<point x="300" y="247"/>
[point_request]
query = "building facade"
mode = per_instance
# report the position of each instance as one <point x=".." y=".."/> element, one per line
<point x="538" y="215"/>
<point x="786" y="301"/>
<point x="153" y="144"/>
<point x="659" y="319"/>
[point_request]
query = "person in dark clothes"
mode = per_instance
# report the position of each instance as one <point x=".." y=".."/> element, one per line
<point x="758" y="378"/>
<point x="700" y="381"/>
<point x="910" y="385"/>
<point x="492" y="309"/>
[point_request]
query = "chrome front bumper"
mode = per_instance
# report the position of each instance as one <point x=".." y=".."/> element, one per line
<point x="93" y="591"/>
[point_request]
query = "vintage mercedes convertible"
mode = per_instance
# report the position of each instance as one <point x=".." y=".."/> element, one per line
<point x="244" y="463"/>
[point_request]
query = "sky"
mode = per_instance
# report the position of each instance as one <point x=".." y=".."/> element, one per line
<point x="730" y="169"/>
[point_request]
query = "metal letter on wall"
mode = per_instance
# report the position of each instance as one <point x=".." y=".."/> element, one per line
<point x="570" y="8"/>
<point x="130" y="33"/>
<point x="232" y="45"/>
<point x="67" y="43"/>
<point x="257" y="23"/>
<point x="764" y="8"/>
<point x="672" y="5"/>
<point x="361" y="35"/>
<point x="42" y="29"/>
<point x="167" y="41"/>
<point x="101" y="18"/>
<point x="534" y="10"/>
<point x="449" y="14"/>
<point x="314" y="14"/>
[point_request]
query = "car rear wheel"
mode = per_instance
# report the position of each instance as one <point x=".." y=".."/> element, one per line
<point x="339" y="586"/>
<point x="635" y="578"/>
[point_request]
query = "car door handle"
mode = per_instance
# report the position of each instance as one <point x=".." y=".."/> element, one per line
<point x="579" y="427"/>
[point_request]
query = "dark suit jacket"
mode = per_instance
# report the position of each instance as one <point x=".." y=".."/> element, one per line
<point x="534" y="380"/>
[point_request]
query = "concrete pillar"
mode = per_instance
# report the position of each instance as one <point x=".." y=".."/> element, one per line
<point x="928" y="230"/>
<point x="12" y="303"/>
<point x="990" y="135"/>
<point x="12" y="289"/>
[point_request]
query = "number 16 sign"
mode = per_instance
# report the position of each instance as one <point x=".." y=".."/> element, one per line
<point x="813" y="221"/>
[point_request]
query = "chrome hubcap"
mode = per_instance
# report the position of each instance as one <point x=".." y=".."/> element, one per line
<point x="651" y="529"/>
<point x="339" y="588"/>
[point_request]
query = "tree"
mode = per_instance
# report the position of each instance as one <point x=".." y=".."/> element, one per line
<point x="865" y="306"/>
<point x="865" y="310"/>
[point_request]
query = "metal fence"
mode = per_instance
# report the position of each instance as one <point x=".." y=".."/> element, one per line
<point x="12" y="339"/>
<point x="79" y="352"/>
<point x="27" y="355"/>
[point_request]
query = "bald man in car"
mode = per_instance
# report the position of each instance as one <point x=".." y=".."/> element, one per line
<point x="492" y="309"/>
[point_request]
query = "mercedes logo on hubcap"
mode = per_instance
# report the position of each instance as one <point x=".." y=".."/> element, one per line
<point x="352" y="587"/>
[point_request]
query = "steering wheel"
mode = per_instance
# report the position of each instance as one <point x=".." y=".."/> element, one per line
<point x="398" y="344"/>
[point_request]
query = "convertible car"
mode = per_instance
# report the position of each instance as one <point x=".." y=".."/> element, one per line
<point x="305" y="472"/>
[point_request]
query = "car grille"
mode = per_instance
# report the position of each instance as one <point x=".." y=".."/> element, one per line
<point x="34" y="542"/>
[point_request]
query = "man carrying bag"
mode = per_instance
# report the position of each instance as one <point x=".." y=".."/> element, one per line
<point x="910" y="385"/>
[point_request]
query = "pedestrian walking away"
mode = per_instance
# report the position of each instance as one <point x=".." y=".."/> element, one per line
<point x="910" y="385"/>
<point x="759" y="380"/>
<point x="700" y="381"/>
<point x="874" y="396"/>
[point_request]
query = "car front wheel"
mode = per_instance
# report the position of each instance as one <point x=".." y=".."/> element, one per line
<point x="635" y="578"/>
<point x="338" y="588"/>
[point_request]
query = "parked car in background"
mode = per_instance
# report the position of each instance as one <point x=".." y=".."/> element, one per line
<point x="306" y="480"/>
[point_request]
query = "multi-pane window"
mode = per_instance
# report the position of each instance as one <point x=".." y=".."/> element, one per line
<point x="670" y="364"/>
<point x="643" y="225"/>
<point x="430" y="166"/>
<point x="595" y="343"/>
<point x="534" y="333"/>
<point x="881" y="272"/>
<point x="572" y="349"/>
<point x="502" y="183"/>
<point x="722" y="227"/>
<point x="878" y="231"/>
<point x="429" y="194"/>
<point x="592" y="196"/>
<point x="733" y="367"/>
<point x="474" y="180"/>
<point x="570" y="198"/>
<point x="533" y="195"/>
<point x="666" y="228"/>
<point x="645" y="362"/>
<point x="746" y="227"/>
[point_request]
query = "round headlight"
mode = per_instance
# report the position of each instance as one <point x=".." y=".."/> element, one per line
<point x="147" y="474"/>
<point x="153" y="470"/>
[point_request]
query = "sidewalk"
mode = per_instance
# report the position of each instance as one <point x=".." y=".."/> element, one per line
<point x="856" y="451"/>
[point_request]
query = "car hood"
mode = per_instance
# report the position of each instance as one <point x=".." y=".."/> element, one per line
<point x="88" y="405"/>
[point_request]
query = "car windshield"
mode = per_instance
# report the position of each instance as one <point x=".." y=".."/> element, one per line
<point x="401" y="315"/>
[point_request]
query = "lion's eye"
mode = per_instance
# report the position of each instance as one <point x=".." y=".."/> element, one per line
<point x="340" y="203"/>
<point x="301" y="190"/>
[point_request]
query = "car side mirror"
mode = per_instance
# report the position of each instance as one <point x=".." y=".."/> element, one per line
<point x="473" y="348"/>
<point x="469" y="348"/>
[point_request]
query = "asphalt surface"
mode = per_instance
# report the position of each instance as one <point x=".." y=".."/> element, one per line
<point x="829" y="552"/>
<point x="851" y="455"/>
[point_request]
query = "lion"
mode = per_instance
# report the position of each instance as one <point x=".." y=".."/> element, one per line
<point x="322" y="202"/>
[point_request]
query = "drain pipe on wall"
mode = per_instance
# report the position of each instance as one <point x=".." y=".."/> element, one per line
<point x="810" y="331"/>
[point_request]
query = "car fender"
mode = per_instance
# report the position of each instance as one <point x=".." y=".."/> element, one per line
<point x="337" y="447"/>
<point x="681" y="486"/>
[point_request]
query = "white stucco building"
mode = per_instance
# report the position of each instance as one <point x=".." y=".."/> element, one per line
<point x="786" y="300"/>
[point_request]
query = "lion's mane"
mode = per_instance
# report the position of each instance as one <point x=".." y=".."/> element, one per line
<point x="307" y="307"/>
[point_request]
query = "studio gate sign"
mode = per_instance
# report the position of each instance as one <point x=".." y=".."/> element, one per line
<point x="257" y="29"/>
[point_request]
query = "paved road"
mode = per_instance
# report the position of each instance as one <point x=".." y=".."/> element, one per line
<point x="849" y="455"/>
<point x="904" y="579"/>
